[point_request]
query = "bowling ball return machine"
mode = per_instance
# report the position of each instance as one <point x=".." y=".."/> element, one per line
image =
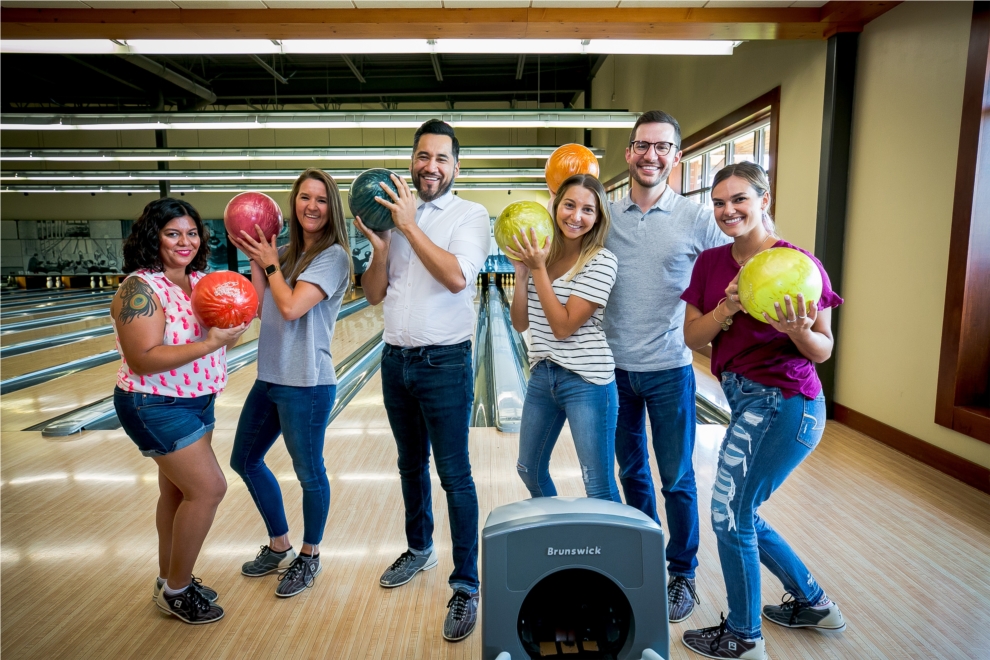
<point x="573" y="578"/>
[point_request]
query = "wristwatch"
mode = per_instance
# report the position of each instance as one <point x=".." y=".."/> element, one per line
<point x="271" y="269"/>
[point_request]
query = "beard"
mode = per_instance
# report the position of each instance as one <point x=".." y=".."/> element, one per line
<point x="426" y="196"/>
<point x="660" y="177"/>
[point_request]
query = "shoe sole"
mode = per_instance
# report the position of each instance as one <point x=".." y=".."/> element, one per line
<point x="464" y="636"/>
<point x="185" y="620"/>
<point x="296" y="593"/>
<point x="393" y="585"/>
<point x="683" y="618"/>
<point x="805" y="625"/>
<point x="694" y="650"/>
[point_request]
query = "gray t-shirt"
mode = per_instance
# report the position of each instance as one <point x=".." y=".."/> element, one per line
<point x="656" y="251"/>
<point x="297" y="352"/>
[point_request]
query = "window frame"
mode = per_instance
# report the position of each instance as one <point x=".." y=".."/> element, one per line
<point x="962" y="400"/>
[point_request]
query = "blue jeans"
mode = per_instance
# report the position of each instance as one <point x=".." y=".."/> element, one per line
<point x="428" y="395"/>
<point x="555" y="394"/>
<point x="668" y="397"/>
<point x="300" y="415"/>
<point x="768" y="436"/>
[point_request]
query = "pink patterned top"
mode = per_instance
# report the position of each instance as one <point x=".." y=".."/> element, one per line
<point x="206" y="375"/>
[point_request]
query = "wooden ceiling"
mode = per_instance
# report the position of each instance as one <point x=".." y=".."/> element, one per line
<point x="730" y="23"/>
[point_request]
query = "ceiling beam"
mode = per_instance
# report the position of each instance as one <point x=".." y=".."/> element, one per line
<point x="102" y="72"/>
<point x="162" y="71"/>
<point x="520" y="66"/>
<point x="743" y="23"/>
<point x="354" y="69"/>
<point x="264" y="65"/>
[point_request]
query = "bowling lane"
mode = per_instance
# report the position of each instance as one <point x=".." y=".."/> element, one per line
<point x="36" y="404"/>
<point x="52" y="330"/>
<point x="49" y="357"/>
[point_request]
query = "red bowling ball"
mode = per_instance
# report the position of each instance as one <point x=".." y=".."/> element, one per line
<point x="224" y="299"/>
<point x="248" y="209"/>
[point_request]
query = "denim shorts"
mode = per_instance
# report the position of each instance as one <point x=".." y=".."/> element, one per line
<point x="160" y="425"/>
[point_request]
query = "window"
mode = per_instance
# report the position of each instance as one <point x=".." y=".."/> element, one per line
<point x="746" y="134"/>
<point x="698" y="172"/>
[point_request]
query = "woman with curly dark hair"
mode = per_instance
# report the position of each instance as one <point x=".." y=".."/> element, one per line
<point x="171" y="371"/>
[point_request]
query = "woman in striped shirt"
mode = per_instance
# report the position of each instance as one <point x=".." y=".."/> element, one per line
<point x="568" y="282"/>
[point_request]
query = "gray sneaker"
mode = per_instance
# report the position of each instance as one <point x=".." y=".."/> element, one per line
<point x="681" y="598"/>
<point x="268" y="561"/>
<point x="719" y="642"/>
<point x="462" y="615"/>
<point x="207" y="593"/>
<point x="405" y="567"/>
<point x="793" y="613"/>
<point x="299" y="577"/>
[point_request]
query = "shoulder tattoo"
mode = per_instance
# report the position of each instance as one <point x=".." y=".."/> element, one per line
<point x="136" y="300"/>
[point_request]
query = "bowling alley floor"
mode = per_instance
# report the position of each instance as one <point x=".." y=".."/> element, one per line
<point x="902" y="548"/>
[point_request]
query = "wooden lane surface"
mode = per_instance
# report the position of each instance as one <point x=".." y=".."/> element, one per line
<point x="51" y="331"/>
<point x="42" y="313"/>
<point x="901" y="547"/>
<point x="17" y="365"/>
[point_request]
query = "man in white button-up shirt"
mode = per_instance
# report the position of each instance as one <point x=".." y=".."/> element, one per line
<point x="425" y="270"/>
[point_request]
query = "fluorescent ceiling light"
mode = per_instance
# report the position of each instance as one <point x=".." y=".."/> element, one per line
<point x="234" y="175"/>
<point x="316" y="120"/>
<point x="310" y="154"/>
<point x="356" y="46"/>
<point x="368" y="46"/>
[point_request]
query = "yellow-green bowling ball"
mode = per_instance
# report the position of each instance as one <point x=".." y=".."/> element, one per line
<point x="774" y="273"/>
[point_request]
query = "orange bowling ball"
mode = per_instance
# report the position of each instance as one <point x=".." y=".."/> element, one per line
<point x="224" y="299"/>
<point x="568" y="160"/>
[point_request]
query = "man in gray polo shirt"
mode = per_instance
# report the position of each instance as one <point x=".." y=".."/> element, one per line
<point x="657" y="235"/>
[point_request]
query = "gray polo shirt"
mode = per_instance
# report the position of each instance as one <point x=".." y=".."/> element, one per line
<point x="656" y="251"/>
<point x="297" y="352"/>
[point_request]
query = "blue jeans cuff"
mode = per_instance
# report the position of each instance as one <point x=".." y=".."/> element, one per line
<point x="460" y="586"/>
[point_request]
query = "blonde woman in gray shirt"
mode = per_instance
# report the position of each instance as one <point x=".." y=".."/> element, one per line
<point x="301" y="288"/>
<point x="568" y="283"/>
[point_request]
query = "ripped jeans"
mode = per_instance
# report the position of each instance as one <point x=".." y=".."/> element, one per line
<point x="553" y="395"/>
<point x="768" y="436"/>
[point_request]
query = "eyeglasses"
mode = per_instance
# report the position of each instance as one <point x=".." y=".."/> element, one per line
<point x="641" y="147"/>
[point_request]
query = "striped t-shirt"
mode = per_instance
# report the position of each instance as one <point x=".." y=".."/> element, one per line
<point x="585" y="352"/>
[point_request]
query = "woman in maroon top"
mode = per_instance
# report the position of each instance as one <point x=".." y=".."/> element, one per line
<point x="778" y="416"/>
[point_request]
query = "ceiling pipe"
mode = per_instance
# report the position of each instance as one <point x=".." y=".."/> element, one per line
<point x="264" y="65"/>
<point x="162" y="71"/>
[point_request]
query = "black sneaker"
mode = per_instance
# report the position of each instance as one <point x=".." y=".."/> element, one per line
<point x="190" y="606"/>
<point x="462" y="614"/>
<point x="792" y="613"/>
<point x="405" y="567"/>
<point x="268" y="561"/>
<point x="681" y="598"/>
<point x="208" y="593"/>
<point x="719" y="642"/>
<point x="299" y="577"/>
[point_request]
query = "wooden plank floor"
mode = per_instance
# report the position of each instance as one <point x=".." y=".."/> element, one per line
<point x="905" y="550"/>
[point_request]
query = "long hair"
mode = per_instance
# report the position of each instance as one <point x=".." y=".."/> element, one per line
<point x="142" y="248"/>
<point x="757" y="179"/>
<point x="594" y="240"/>
<point x="294" y="261"/>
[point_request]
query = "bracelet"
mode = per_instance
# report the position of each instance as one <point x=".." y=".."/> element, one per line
<point x="728" y="319"/>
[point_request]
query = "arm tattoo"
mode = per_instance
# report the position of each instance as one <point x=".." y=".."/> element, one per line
<point x="136" y="299"/>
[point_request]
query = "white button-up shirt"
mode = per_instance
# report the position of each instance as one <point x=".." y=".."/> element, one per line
<point x="419" y="310"/>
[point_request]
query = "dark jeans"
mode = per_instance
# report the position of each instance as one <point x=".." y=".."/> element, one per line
<point x="428" y="396"/>
<point x="668" y="397"/>
<point x="300" y="415"/>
